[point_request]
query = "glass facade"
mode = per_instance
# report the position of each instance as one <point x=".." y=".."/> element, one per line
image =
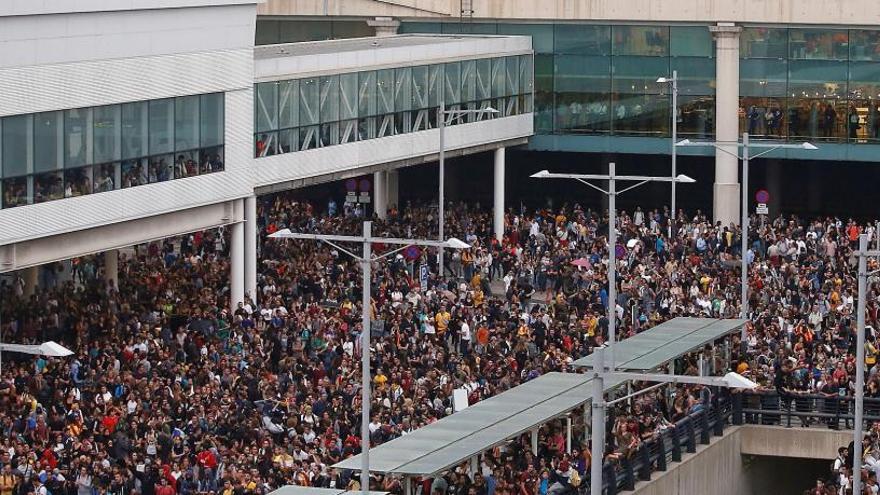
<point x="816" y="84"/>
<point x="66" y="153"/>
<point x="302" y="114"/>
<point x="601" y="79"/>
<point x="800" y="83"/>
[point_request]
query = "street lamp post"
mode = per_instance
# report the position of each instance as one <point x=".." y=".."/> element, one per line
<point x="612" y="194"/>
<point x="366" y="259"/>
<point x="674" y="82"/>
<point x="863" y="254"/>
<point x="600" y="373"/>
<point x="744" y="208"/>
<point x="598" y="416"/>
<point x="442" y="113"/>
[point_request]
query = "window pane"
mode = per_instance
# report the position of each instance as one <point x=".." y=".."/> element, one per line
<point x="691" y="41"/>
<point x="134" y="172"/>
<point x="107" y="133"/>
<point x="212" y="119"/>
<point x="640" y="40"/>
<point x="16" y="134"/>
<point x="818" y="44"/>
<point x="542" y="34"/>
<point x="466" y="81"/>
<point x="435" y="84"/>
<point x="817" y="78"/>
<point x="864" y="80"/>
<point x="452" y="73"/>
<point x="15" y="192"/>
<point x="526" y="74"/>
<point x="403" y="89"/>
<point x="484" y="79"/>
<point x="762" y="42"/>
<point x="696" y="75"/>
<point x="499" y="71"/>
<point x="696" y="116"/>
<point x="420" y="87"/>
<point x="105" y="177"/>
<point x="288" y="104"/>
<point x="47" y="141"/>
<point x="266" y="108"/>
<point x="864" y="44"/>
<point x="367" y="93"/>
<point x="76" y="143"/>
<point x="77" y="182"/>
<point x="348" y="92"/>
<point x="385" y="90"/>
<point x="49" y="186"/>
<point x="511" y="84"/>
<point x="582" y="73"/>
<point x="309" y="93"/>
<point x="544" y="93"/>
<point x="763" y="77"/>
<point x="641" y="114"/>
<point x="186" y="123"/>
<point x="329" y="98"/>
<point x="161" y="126"/>
<point x="639" y="74"/>
<point x="580" y="39"/>
<point x="134" y="130"/>
<point x="763" y="117"/>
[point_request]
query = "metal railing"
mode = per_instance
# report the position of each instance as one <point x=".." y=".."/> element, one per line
<point x="667" y="447"/>
<point x="768" y="407"/>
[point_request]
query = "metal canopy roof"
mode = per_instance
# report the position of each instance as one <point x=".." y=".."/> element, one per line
<point x="666" y="342"/>
<point x="308" y="490"/>
<point x="445" y="443"/>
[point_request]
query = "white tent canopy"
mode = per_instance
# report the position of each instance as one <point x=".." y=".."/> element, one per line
<point x="50" y="348"/>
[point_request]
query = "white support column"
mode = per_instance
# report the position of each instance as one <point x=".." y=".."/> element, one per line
<point x="726" y="189"/>
<point x="392" y="185"/>
<point x="380" y="194"/>
<point x="498" y="205"/>
<point x="384" y="26"/>
<point x="31" y="278"/>
<point x="250" y="247"/>
<point x="588" y="420"/>
<point x="236" y="262"/>
<point x="535" y="441"/>
<point x="111" y="267"/>
<point x="568" y="434"/>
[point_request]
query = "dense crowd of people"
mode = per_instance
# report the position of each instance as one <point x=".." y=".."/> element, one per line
<point x="172" y="391"/>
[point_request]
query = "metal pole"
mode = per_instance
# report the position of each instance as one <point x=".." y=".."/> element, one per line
<point x="441" y="126"/>
<point x="744" y="226"/>
<point x="860" y="364"/>
<point x="612" y="262"/>
<point x="674" y="139"/>
<point x="597" y="448"/>
<point x="568" y="434"/>
<point x="365" y="362"/>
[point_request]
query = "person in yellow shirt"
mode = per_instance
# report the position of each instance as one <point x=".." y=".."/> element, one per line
<point x="380" y="379"/>
<point x="479" y="298"/>
<point x="441" y="319"/>
<point x="8" y="481"/>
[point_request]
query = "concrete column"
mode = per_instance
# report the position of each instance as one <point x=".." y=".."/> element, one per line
<point x="380" y="194"/>
<point x="726" y="189"/>
<point x="392" y="182"/>
<point x="498" y="205"/>
<point x="250" y="247"/>
<point x="31" y="278"/>
<point x="236" y="262"/>
<point x="384" y="26"/>
<point x="111" y="267"/>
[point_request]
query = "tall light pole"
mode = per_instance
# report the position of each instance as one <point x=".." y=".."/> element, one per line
<point x="612" y="193"/>
<point x="863" y="254"/>
<point x="674" y="82"/>
<point x="442" y="113"/>
<point x="366" y="260"/>
<point x="600" y="373"/>
<point x="744" y="208"/>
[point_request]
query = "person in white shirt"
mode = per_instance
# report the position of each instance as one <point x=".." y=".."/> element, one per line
<point x="464" y="332"/>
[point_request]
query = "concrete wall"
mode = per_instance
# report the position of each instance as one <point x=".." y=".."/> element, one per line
<point x="716" y="469"/>
<point x="845" y="12"/>
<point x="728" y="465"/>
<point x="805" y="443"/>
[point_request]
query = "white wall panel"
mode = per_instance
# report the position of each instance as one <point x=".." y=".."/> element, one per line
<point x="351" y="156"/>
<point x="84" y="212"/>
<point x="41" y="7"/>
<point x="61" y="86"/>
<point x="461" y="47"/>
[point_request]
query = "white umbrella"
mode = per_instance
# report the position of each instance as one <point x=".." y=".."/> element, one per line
<point x="50" y="348"/>
<point x="632" y="243"/>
